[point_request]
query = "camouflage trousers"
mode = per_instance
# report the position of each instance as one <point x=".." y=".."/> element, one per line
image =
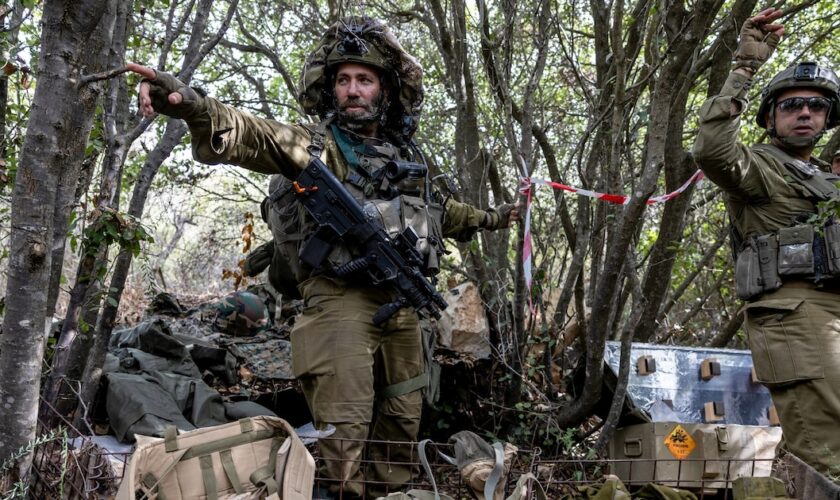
<point x="794" y="336"/>
<point x="342" y="360"/>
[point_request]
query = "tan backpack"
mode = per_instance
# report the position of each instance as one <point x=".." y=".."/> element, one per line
<point x="253" y="458"/>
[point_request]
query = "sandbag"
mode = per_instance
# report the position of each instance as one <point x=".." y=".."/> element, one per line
<point x="484" y="468"/>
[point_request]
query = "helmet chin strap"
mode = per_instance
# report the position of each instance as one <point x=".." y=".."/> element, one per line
<point x="795" y="142"/>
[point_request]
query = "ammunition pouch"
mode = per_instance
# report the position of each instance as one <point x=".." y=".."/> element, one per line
<point x="798" y="252"/>
<point x="405" y="211"/>
<point x="832" y="248"/>
<point x="756" y="268"/>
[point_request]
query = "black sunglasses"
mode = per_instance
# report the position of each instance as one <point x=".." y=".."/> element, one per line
<point x="794" y="104"/>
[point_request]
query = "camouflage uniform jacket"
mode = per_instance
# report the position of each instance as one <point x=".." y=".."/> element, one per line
<point x="228" y="135"/>
<point x="760" y="194"/>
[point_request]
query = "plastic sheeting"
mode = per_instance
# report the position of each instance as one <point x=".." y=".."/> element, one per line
<point x="675" y="392"/>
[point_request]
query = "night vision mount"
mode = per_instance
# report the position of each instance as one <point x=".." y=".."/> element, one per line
<point x="352" y="42"/>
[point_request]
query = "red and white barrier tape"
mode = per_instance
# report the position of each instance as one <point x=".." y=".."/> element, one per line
<point x="619" y="199"/>
<point x="527" y="189"/>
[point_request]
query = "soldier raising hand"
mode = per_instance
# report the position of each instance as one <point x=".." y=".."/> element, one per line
<point x="786" y="268"/>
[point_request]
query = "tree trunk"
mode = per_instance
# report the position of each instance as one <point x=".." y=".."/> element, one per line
<point x="729" y="330"/>
<point x="73" y="37"/>
<point x="75" y="339"/>
<point x="626" y="338"/>
<point x="175" y="131"/>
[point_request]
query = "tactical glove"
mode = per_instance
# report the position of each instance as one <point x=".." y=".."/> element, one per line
<point x="165" y="84"/>
<point x="498" y="218"/>
<point x="754" y="46"/>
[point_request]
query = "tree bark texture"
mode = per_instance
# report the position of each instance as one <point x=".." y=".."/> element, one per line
<point x="197" y="50"/>
<point x="61" y="117"/>
<point x="683" y="31"/>
<point x="75" y="338"/>
<point x="175" y="132"/>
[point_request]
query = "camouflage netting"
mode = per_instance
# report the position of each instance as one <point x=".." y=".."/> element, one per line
<point x="374" y="44"/>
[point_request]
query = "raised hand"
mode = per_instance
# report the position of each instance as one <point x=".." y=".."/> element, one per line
<point x="163" y="93"/>
<point x="758" y="39"/>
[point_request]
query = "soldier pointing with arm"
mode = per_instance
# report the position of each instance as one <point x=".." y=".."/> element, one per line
<point x="363" y="379"/>
<point x="787" y="265"/>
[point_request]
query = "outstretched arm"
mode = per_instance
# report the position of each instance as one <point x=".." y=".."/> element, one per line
<point x="461" y="221"/>
<point x="221" y="133"/>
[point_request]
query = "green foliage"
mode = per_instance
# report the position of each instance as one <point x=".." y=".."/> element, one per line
<point x="108" y="227"/>
<point x="536" y="426"/>
<point x="828" y="212"/>
<point x="21" y="488"/>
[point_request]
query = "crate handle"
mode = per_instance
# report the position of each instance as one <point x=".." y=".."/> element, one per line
<point x="633" y="447"/>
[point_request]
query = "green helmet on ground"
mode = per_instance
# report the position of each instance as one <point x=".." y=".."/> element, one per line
<point x="241" y="314"/>
<point x="802" y="75"/>
<point x="360" y="39"/>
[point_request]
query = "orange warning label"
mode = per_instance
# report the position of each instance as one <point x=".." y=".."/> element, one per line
<point x="680" y="443"/>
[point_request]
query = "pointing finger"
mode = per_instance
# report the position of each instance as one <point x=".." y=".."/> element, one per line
<point x="144" y="71"/>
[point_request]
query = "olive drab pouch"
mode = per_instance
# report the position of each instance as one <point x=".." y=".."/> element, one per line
<point x="416" y="214"/>
<point x="284" y="217"/>
<point x="781" y="334"/>
<point x="796" y="251"/>
<point x="832" y="248"/>
<point x="767" y="246"/>
<point x="405" y="211"/>
<point x="748" y="282"/>
<point x="253" y="458"/>
<point x="431" y="393"/>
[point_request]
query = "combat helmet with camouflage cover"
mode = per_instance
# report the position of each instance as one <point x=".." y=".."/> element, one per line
<point x="360" y="39"/>
<point x="802" y="75"/>
<point x="241" y="314"/>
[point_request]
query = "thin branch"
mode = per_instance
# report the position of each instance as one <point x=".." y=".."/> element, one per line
<point x="96" y="77"/>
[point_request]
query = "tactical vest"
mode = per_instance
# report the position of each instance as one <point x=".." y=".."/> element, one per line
<point x="799" y="251"/>
<point x="391" y="189"/>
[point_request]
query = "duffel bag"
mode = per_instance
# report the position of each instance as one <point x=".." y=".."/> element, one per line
<point x="253" y="458"/>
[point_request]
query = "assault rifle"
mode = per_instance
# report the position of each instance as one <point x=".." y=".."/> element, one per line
<point x="394" y="261"/>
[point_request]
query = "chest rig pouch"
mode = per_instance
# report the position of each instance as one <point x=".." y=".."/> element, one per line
<point x="394" y="192"/>
<point x="801" y="250"/>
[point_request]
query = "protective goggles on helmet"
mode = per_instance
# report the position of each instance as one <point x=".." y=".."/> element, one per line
<point x="795" y="104"/>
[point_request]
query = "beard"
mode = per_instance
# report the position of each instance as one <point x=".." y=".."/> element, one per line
<point x="359" y="121"/>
